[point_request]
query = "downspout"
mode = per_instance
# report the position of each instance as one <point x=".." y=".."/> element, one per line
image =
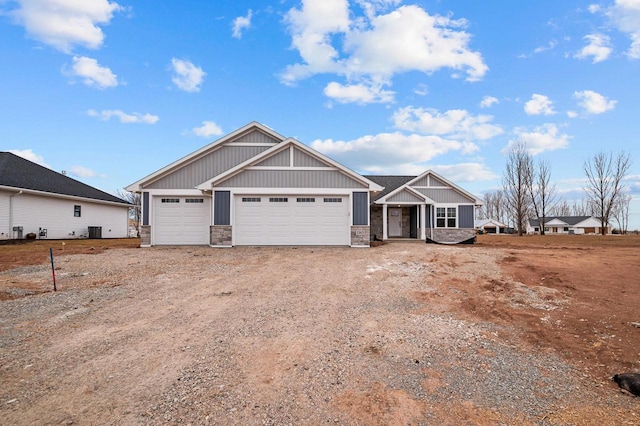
<point x="11" y="212"/>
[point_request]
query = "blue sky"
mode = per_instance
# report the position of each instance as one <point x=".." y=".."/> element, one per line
<point x="112" y="91"/>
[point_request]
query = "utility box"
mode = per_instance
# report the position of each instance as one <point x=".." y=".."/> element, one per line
<point x="95" y="232"/>
<point x="17" y="232"/>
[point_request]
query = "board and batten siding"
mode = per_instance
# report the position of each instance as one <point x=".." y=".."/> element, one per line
<point x="291" y="179"/>
<point x="430" y="181"/>
<point x="360" y="208"/>
<point x="56" y="215"/>
<point x="302" y="159"/>
<point x="5" y="227"/>
<point x="281" y="159"/>
<point x="207" y="167"/>
<point x="405" y="196"/>
<point x="222" y="208"/>
<point x="145" y="208"/>
<point x="466" y="214"/>
<point x="255" y="136"/>
<point x="443" y="196"/>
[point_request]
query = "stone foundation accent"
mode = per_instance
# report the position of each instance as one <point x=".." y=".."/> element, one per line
<point x="375" y="219"/>
<point x="220" y="235"/>
<point x="451" y="235"/>
<point x="360" y="236"/>
<point x="145" y="236"/>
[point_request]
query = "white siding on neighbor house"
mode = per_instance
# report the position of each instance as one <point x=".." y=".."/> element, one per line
<point x="5" y="230"/>
<point x="33" y="212"/>
<point x="207" y="167"/>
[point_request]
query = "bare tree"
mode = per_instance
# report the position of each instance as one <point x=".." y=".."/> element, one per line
<point x="582" y="208"/>
<point x="135" y="209"/>
<point x="515" y="185"/>
<point x="562" y="208"/>
<point x="620" y="212"/>
<point x="541" y="190"/>
<point x="605" y="183"/>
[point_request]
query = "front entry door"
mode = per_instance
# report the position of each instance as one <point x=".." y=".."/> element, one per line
<point x="395" y="222"/>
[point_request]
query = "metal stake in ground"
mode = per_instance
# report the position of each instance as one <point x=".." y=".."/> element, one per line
<point x="53" y="271"/>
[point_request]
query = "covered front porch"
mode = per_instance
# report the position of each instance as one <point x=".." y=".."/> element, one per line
<point x="398" y="221"/>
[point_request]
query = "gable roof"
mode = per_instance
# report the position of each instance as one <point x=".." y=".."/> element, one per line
<point x="16" y="172"/>
<point x="372" y="186"/>
<point x="398" y="183"/>
<point x="569" y="220"/>
<point x="236" y="134"/>
<point x="484" y="222"/>
<point x="390" y="183"/>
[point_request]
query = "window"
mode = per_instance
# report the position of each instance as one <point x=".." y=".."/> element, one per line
<point x="76" y="211"/>
<point x="566" y="229"/>
<point x="250" y="199"/>
<point x="306" y="200"/>
<point x="194" y="200"/>
<point x="170" y="200"/>
<point x="446" y="217"/>
<point x="333" y="200"/>
<point x="278" y="200"/>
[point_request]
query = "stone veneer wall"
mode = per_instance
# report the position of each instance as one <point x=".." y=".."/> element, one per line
<point x="451" y="235"/>
<point x="145" y="235"/>
<point x="360" y="236"/>
<point x="376" y="222"/>
<point x="220" y="235"/>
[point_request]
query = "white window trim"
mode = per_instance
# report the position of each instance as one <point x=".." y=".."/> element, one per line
<point x="446" y="218"/>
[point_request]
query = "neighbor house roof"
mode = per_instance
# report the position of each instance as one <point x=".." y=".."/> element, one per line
<point x="479" y="223"/>
<point x="18" y="173"/>
<point x="569" y="220"/>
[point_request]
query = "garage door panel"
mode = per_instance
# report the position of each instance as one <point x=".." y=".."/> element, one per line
<point x="311" y="221"/>
<point x="181" y="222"/>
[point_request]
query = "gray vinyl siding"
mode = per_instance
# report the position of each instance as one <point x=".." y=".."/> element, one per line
<point x="466" y="217"/>
<point x="255" y="136"/>
<point x="145" y="208"/>
<point x="428" y="216"/>
<point x="404" y="196"/>
<point x="291" y="179"/>
<point x="433" y="181"/>
<point x="360" y="208"/>
<point x="301" y="159"/>
<point x="222" y="208"/>
<point x="277" y="160"/>
<point x="207" y="167"/>
<point x="422" y="182"/>
<point x="444" y="196"/>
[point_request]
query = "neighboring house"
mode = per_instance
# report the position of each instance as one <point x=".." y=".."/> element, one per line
<point x="425" y="207"/>
<point x="257" y="187"/>
<point x="567" y="225"/>
<point x="490" y="226"/>
<point x="35" y="199"/>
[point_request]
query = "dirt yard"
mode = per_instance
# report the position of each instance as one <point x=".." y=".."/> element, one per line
<point x="511" y="330"/>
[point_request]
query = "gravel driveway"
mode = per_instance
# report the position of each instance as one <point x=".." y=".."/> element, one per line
<point x="275" y="336"/>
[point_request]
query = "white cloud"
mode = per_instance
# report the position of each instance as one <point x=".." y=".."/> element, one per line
<point x="539" y="105"/>
<point x="207" y="129"/>
<point x="387" y="151"/>
<point x="465" y="172"/>
<point x="92" y="73"/>
<point x="598" y="48"/>
<point x="64" y="24"/>
<point x="594" y="102"/>
<point x="357" y="93"/>
<point x="241" y="23"/>
<point x="81" y="171"/>
<point x="135" y="117"/>
<point x="572" y="114"/>
<point x="370" y="50"/>
<point x="455" y="124"/>
<point x="421" y="90"/>
<point x="28" y="154"/>
<point x="625" y="15"/>
<point x="187" y="76"/>
<point x="488" y="102"/>
<point x="543" y="138"/>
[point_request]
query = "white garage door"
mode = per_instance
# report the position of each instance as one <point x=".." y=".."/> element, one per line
<point x="291" y="220"/>
<point x="181" y="220"/>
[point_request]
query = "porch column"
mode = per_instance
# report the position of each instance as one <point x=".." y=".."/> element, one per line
<point x="423" y="222"/>
<point x="385" y="232"/>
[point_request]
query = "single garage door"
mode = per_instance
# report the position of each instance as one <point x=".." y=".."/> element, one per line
<point x="291" y="220"/>
<point x="181" y="220"/>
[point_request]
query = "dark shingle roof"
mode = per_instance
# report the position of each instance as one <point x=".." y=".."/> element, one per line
<point x="19" y="173"/>
<point x="389" y="182"/>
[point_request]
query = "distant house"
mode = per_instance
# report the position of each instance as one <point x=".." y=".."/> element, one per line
<point x="490" y="226"/>
<point x="40" y="201"/>
<point x="257" y="187"/>
<point x="567" y="225"/>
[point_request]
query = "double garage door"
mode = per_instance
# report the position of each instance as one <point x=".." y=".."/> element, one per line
<point x="181" y="220"/>
<point x="291" y="220"/>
